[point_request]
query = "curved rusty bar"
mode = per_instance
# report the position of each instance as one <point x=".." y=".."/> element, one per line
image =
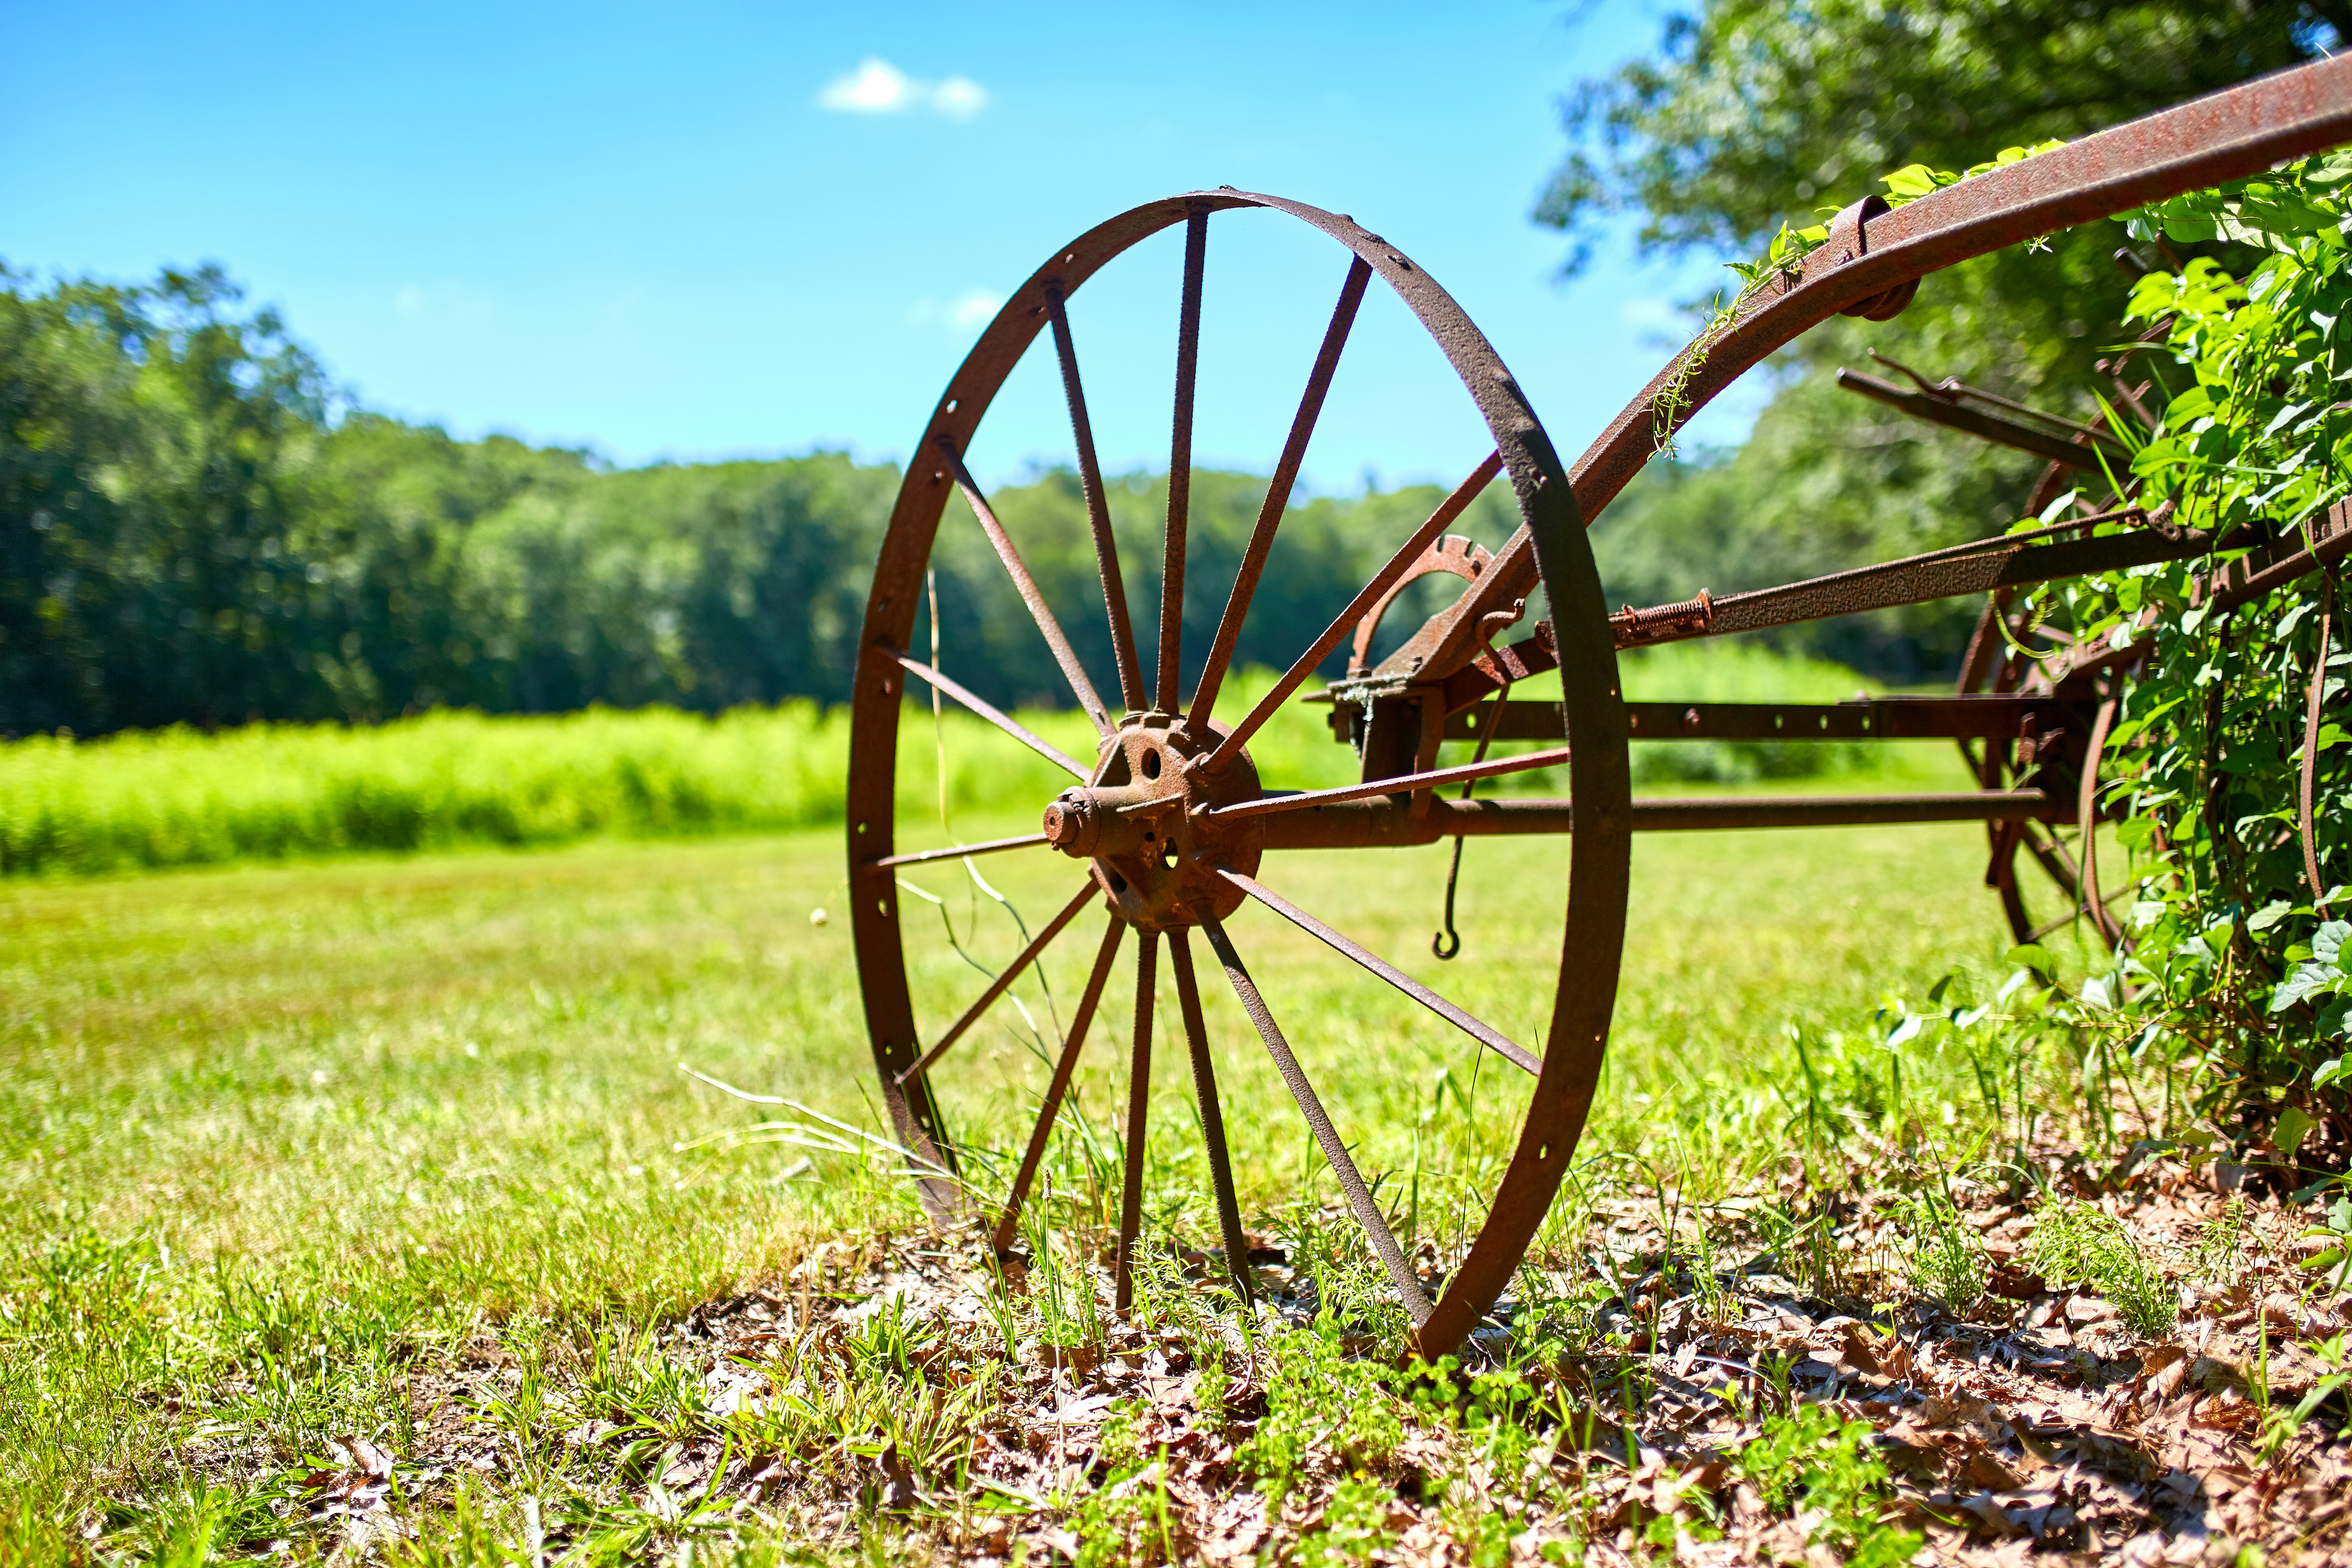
<point x="2203" y="142"/>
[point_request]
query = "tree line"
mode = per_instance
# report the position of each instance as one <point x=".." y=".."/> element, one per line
<point x="191" y="532"/>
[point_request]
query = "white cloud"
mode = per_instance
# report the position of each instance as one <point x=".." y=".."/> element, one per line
<point x="877" y="87"/>
<point x="961" y="315"/>
<point x="973" y="307"/>
<point x="959" y="98"/>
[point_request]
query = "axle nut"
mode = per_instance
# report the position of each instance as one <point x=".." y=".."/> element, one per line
<point x="1073" y="826"/>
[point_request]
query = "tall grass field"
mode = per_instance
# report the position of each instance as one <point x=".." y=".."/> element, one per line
<point x="446" y="780"/>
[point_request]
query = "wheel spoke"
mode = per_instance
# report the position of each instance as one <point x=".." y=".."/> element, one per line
<point x="1180" y="460"/>
<point x="1008" y="1223"/>
<point x="1026" y="586"/>
<point x="958" y="852"/>
<point x="1003" y="982"/>
<point x="1277" y="495"/>
<point x="1402" y="784"/>
<point x="1502" y="1045"/>
<point x="1082" y="432"/>
<point x="1382" y="581"/>
<point x="1343" y="1167"/>
<point x="995" y="716"/>
<point x="1138" y="1101"/>
<point x="1212" y="1120"/>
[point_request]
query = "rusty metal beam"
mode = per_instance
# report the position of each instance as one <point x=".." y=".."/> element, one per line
<point x="1435" y="778"/>
<point x="1992" y="425"/>
<point x="2211" y="140"/>
<point x="1976" y="568"/>
<point x="1008" y="1223"/>
<point x="1998" y="717"/>
<point x="1277" y="494"/>
<point x="1358" y="824"/>
<point x="957" y="852"/>
<point x="997" y="987"/>
<point x="994" y="715"/>
<point x="1451" y="508"/>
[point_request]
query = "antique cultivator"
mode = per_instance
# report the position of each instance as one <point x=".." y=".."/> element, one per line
<point x="1173" y="830"/>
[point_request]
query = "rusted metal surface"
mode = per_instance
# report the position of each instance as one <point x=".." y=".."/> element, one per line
<point x="1090" y="483"/>
<point x="1180" y="461"/>
<point x="1138" y="1105"/>
<point x="1979" y="567"/>
<point x="2309" y="769"/>
<point x="1277" y="492"/>
<point x="1402" y="783"/>
<point x="1000" y="985"/>
<point x="2002" y="716"/>
<point x="2205" y="142"/>
<point x="1148" y="829"/>
<point x="1102" y="818"/>
<point x="1008" y="1221"/>
<point x="994" y="715"/>
<point x="1694" y="617"/>
<point x="1452" y="554"/>
<point x="1477" y="1028"/>
<point x="1047" y="627"/>
<point x="1179" y="844"/>
<point x="1984" y="565"/>
<point x="1212" y="1116"/>
<point x="2086" y="814"/>
<point x="958" y="852"/>
<point x="1384" y="579"/>
<point x="1990" y="423"/>
<point x="2243" y="581"/>
<point x="1318" y="1122"/>
<point x="1367" y="824"/>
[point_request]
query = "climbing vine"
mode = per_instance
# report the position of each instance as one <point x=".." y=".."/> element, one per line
<point x="2233" y="407"/>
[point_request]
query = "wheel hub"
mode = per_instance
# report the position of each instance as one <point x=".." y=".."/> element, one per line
<point x="1143" y="822"/>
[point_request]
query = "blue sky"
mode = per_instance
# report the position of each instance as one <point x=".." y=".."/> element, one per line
<point x="710" y="230"/>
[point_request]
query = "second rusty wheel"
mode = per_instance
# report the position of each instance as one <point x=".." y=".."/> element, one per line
<point x="1170" y="825"/>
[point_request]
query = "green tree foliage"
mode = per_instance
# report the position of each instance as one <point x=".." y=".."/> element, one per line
<point x="189" y="533"/>
<point x="148" y="483"/>
<point x="1754" y="115"/>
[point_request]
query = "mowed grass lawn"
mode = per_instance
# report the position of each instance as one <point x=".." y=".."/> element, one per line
<point x="272" y="1134"/>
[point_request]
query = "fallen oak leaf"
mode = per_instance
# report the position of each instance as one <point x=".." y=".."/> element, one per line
<point x="897" y="1482"/>
<point x="1986" y="1514"/>
<point x="1984" y="1468"/>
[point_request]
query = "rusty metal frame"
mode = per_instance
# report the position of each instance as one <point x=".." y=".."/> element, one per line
<point x="2203" y="142"/>
<point x="1427" y="691"/>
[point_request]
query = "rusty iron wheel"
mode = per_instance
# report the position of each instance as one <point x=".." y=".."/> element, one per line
<point x="1176" y="826"/>
<point x="1171" y="820"/>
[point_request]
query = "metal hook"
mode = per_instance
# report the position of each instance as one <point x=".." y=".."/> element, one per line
<point x="1448" y="942"/>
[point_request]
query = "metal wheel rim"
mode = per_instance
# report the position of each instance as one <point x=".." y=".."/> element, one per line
<point x="1592" y="713"/>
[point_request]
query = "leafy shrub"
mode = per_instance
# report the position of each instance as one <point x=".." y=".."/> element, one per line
<point x="2245" y="436"/>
